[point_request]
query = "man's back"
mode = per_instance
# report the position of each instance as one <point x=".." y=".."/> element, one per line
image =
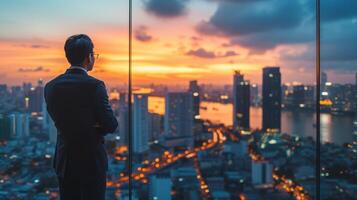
<point x="78" y="104"/>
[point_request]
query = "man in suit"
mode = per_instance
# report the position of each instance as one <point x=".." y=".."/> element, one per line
<point x="79" y="106"/>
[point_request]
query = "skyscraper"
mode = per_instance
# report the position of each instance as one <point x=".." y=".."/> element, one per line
<point x="178" y="121"/>
<point x="241" y="101"/>
<point x="123" y="118"/>
<point x="323" y="82"/>
<point x="195" y="92"/>
<point x="160" y="187"/>
<point x="262" y="172"/>
<point x="323" y="78"/>
<point x="298" y="96"/>
<point x="36" y="97"/>
<point x="4" y="127"/>
<point x="19" y="125"/>
<point x="271" y="99"/>
<point x="140" y="123"/>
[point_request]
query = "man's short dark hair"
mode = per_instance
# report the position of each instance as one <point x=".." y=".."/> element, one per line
<point x="77" y="48"/>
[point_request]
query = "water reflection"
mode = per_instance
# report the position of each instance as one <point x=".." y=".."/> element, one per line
<point x="334" y="128"/>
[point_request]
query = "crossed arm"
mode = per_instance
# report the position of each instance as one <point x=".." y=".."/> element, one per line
<point x="107" y="123"/>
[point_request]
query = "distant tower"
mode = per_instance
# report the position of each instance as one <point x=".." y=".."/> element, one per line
<point x="160" y="187"/>
<point x="195" y="92"/>
<point x="36" y="97"/>
<point x="178" y="121"/>
<point x="140" y="123"/>
<point x="19" y="125"/>
<point x="262" y="172"/>
<point x="241" y="101"/>
<point x="5" y="127"/>
<point x="299" y="96"/>
<point x="123" y="118"/>
<point x="271" y="99"/>
<point x="323" y="81"/>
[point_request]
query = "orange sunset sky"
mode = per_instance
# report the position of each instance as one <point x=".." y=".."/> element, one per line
<point x="170" y="46"/>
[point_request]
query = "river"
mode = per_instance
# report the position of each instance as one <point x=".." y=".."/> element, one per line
<point x="334" y="128"/>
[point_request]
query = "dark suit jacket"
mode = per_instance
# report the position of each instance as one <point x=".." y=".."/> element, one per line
<point x="79" y="106"/>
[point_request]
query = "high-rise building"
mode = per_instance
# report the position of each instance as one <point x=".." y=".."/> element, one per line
<point x="323" y="86"/>
<point x="140" y="123"/>
<point x="123" y="118"/>
<point x="262" y="172"/>
<point x="19" y="125"/>
<point x="254" y="95"/>
<point x="26" y="88"/>
<point x="323" y="78"/>
<point x="5" y="131"/>
<point x="241" y="101"/>
<point x="355" y="97"/>
<point x="195" y="92"/>
<point x="178" y="121"/>
<point x="3" y="89"/>
<point x="160" y="187"/>
<point x="298" y="96"/>
<point x="155" y="126"/>
<point x="36" y="97"/>
<point x="271" y="99"/>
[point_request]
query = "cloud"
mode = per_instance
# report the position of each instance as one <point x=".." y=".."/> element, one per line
<point x="203" y="53"/>
<point x="35" y="69"/>
<point x="166" y="8"/>
<point x="142" y="35"/>
<point x="230" y="53"/>
<point x="260" y="42"/>
<point x="33" y="46"/>
<point x="338" y="41"/>
<point x="261" y="25"/>
<point x="332" y="10"/>
<point x="236" y="18"/>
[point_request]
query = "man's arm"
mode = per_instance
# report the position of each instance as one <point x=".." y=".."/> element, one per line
<point x="103" y="111"/>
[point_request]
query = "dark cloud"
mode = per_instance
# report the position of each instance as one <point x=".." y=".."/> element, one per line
<point x="203" y="53"/>
<point x="230" y="53"/>
<point x="232" y="18"/>
<point x="332" y="10"/>
<point x="37" y="46"/>
<point x="261" y="25"/>
<point x="35" y="69"/>
<point x="339" y="45"/>
<point x="142" y="35"/>
<point x="260" y="42"/>
<point x="166" y="8"/>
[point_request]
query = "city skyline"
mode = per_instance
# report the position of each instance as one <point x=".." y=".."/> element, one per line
<point x="224" y="98"/>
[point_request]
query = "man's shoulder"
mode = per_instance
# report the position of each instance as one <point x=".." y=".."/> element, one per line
<point x="95" y="80"/>
<point x="63" y="78"/>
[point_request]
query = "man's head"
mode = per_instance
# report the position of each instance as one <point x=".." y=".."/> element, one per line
<point x="79" y="51"/>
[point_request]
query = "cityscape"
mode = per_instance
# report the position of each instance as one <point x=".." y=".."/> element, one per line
<point x="179" y="154"/>
<point x="223" y="97"/>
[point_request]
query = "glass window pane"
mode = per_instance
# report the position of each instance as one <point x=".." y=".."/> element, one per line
<point x="338" y="99"/>
<point x="223" y="104"/>
<point x="32" y="38"/>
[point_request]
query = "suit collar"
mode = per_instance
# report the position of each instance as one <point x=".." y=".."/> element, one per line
<point x="76" y="70"/>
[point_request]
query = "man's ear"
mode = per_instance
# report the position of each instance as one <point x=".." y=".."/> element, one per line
<point x="90" y="59"/>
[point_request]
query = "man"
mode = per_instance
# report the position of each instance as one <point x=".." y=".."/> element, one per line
<point x="79" y="106"/>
